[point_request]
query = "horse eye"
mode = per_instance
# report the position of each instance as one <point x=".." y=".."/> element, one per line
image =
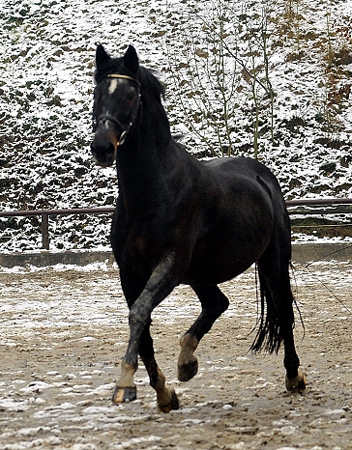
<point x="131" y="94"/>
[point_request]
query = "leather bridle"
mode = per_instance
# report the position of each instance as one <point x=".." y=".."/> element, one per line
<point x="112" y="119"/>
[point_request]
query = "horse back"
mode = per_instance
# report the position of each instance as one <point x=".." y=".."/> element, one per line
<point x="246" y="215"/>
<point x="249" y="179"/>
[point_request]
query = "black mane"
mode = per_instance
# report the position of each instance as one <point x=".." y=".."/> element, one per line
<point x="151" y="83"/>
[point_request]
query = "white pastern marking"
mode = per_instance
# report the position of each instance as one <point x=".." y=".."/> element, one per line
<point x="112" y="87"/>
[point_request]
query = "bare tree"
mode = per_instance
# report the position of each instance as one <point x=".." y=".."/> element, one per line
<point x="226" y="71"/>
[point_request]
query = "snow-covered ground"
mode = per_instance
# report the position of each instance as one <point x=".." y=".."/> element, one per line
<point x="46" y="84"/>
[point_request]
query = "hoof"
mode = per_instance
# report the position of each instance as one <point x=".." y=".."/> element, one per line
<point x="174" y="404"/>
<point x="124" y="394"/>
<point x="188" y="371"/>
<point x="296" y="384"/>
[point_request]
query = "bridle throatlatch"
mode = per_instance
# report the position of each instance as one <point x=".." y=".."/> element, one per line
<point x="116" y="122"/>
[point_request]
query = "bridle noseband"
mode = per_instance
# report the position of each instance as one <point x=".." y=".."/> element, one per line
<point x="116" y="122"/>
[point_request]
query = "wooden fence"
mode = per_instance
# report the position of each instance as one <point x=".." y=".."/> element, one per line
<point x="295" y="207"/>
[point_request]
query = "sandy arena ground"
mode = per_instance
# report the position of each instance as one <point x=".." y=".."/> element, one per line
<point x="63" y="333"/>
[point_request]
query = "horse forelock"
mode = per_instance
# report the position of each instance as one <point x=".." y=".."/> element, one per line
<point x="114" y="65"/>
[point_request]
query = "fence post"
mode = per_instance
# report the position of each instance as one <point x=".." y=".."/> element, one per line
<point x="45" y="231"/>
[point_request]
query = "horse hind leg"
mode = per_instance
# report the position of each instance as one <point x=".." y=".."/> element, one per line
<point x="214" y="303"/>
<point x="277" y="326"/>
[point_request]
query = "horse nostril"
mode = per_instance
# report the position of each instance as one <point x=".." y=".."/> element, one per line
<point x="103" y="151"/>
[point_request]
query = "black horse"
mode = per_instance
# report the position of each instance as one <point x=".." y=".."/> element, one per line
<point x="179" y="220"/>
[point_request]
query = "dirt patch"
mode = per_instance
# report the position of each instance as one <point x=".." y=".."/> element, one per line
<point x="63" y="333"/>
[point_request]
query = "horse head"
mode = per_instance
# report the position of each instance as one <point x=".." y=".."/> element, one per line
<point x="116" y="103"/>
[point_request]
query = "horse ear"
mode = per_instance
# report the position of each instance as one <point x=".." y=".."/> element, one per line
<point x="101" y="57"/>
<point x="130" y="60"/>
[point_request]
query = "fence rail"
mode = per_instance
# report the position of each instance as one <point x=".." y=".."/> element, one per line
<point x="45" y="213"/>
<point x="303" y="206"/>
<point x="320" y="206"/>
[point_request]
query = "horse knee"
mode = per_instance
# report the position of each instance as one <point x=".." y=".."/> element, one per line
<point x="138" y="317"/>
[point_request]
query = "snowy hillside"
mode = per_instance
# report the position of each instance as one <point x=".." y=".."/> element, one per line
<point x="271" y="79"/>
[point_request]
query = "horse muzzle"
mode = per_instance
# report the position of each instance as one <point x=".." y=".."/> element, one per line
<point x="104" y="151"/>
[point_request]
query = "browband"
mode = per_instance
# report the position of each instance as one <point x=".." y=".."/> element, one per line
<point x="126" y="77"/>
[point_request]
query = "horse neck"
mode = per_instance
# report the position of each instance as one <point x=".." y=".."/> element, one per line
<point x="144" y="159"/>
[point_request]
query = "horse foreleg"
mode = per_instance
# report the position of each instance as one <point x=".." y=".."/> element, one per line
<point x="214" y="303"/>
<point x="187" y="363"/>
<point x="159" y="285"/>
<point x="166" y="398"/>
<point x="125" y="390"/>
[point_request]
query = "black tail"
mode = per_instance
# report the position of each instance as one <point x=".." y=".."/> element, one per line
<point x="269" y="335"/>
